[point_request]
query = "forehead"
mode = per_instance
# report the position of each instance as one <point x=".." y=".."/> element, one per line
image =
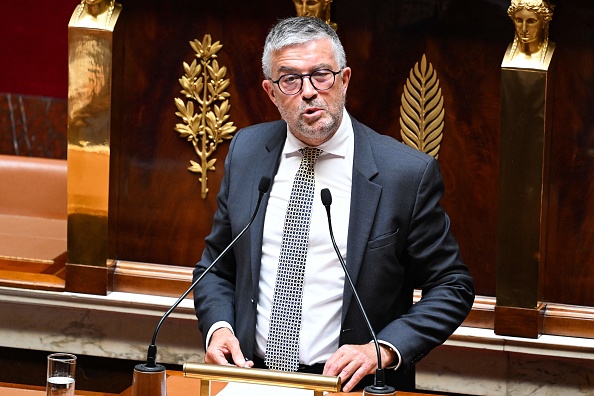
<point x="304" y="57"/>
<point x="526" y="14"/>
<point x="310" y="3"/>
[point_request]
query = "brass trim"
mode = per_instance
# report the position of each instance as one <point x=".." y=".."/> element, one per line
<point x="204" y="83"/>
<point x="26" y="259"/>
<point x="215" y="372"/>
<point x="422" y="112"/>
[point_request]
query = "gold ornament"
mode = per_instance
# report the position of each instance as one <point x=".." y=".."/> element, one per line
<point x="81" y="7"/>
<point x="204" y="82"/>
<point x="422" y="112"/>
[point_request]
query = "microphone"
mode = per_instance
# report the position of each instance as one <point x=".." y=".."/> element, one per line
<point x="379" y="386"/>
<point x="151" y="366"/>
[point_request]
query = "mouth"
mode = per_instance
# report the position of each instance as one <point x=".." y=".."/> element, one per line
<point x="312" y="114"/>
<point x="311" y="111"/>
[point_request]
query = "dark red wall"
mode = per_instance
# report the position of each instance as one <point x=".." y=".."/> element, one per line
<point x="34" y="77"/>
<point x="33" y="47"/>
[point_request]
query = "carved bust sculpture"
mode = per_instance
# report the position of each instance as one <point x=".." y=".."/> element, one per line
<point x="315" y="8"/>
<point x="531" y="47"/>
<point x="98" y="14"/>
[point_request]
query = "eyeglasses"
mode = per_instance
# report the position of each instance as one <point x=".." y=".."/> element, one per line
<point x="321" y="80"/>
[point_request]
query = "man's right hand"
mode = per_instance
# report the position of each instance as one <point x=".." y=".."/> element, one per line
<point x="224" y="347"/>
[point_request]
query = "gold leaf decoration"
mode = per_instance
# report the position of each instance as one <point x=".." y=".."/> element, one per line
<point x="422" y="112"/>
<point x="204" y="83"/>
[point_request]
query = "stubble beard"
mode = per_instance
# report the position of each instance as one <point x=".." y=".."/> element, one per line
<point x="320" y="131"/>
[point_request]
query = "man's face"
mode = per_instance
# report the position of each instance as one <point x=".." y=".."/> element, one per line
<point x="312" y="8"/>
<point x="528" y="25"/>
<point x="313" y="116"/>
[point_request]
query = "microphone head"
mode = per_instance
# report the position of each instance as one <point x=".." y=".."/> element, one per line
<point x="326" y="197"/>
<point x="264" y="184"/>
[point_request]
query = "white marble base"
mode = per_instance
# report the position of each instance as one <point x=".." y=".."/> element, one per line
<point x="121" y="325"/>
<point x="477" y="362"/>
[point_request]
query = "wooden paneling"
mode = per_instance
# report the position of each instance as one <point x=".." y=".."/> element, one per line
<point x="161" y="218"/>
<point x="165" y="221"/>
<point x="146" y="278"/>
<point x="569" y="270"/>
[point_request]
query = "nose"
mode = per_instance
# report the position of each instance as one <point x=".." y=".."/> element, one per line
<point x="307" y="89"/>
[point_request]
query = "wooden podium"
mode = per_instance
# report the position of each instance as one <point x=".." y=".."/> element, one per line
<point x="177" y="385"/>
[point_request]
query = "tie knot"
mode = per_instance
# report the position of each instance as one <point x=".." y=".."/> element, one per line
<point x="310" y="154"/>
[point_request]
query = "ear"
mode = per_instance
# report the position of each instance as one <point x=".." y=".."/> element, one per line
<point x="269" y="88"/>
<point x="345" y="77"/>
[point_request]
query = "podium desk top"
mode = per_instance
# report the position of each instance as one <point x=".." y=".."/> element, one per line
<point x="177" y="385"/>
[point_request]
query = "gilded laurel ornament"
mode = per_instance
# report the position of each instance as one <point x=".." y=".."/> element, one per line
<point x="422" y="112"/>
<point x="204" y="83"/>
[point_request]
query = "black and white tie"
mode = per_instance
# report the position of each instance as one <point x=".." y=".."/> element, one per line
<point x="282" y="348"/>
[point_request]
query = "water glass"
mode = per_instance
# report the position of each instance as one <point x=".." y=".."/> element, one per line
<point x="61" y="368"/>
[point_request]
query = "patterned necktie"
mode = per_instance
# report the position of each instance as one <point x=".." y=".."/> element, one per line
<point x="282" y="348"/>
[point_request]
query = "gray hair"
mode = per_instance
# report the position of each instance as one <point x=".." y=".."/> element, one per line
<point x="299" y="30"/>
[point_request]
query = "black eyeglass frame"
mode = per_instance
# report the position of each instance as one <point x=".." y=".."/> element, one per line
<point x="302" y="76"/>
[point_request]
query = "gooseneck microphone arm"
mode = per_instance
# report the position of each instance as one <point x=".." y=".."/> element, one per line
<point x="379" y="386"/>
<point x="151" y="357"/>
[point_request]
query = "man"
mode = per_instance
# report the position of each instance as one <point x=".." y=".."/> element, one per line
<point x="387" y="221"/>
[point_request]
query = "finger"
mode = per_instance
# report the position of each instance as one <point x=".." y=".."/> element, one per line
<point x="351" y="363"/>
<point x="225" y="345"/>
<point x="236" y="353"/>
<point x="248" y="363"/>
<point x="333" y="366"/>
<point x="353" y="379"/>
<point x="345" y="356"/>
<point x="217" y="353"/>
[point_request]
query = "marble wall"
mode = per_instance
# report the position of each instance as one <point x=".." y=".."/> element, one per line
<point x="121" y="325"/>
<point x="490" y="365"/>
<point x="33" y="126"/>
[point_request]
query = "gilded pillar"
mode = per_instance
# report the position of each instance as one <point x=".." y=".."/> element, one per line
<point x="526" y="91"/>
<point x="94" y="95"/>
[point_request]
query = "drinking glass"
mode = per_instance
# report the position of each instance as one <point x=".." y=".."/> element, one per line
<point x="61" y="368"/>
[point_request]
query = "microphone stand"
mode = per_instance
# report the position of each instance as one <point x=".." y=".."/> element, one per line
<point x="149" y="377"/>
<point x="379" y="386"/>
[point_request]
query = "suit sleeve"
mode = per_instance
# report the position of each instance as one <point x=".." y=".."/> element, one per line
<point x="435" y="267"/>
<point x="214" y="295"/>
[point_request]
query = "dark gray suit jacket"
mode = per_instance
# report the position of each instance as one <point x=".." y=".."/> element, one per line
<point x="398" y="240"/>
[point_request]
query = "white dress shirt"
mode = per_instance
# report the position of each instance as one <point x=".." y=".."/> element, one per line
<point x="324" y="277"/>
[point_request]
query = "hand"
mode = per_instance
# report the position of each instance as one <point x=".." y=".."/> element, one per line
<point x="224" y="345"/>
<point x="355" y="362"/>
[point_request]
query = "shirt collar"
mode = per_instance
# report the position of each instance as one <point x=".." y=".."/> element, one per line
<point x="337" y="145"/>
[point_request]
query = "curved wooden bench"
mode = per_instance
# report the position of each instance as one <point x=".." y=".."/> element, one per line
<point x="33" y="222"/>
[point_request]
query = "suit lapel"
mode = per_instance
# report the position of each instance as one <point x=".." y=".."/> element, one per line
<point x="268" y="166"/>
<point x="364" y="199"/>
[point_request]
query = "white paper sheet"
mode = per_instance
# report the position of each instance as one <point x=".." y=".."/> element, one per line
<point x="236" y="388"/>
